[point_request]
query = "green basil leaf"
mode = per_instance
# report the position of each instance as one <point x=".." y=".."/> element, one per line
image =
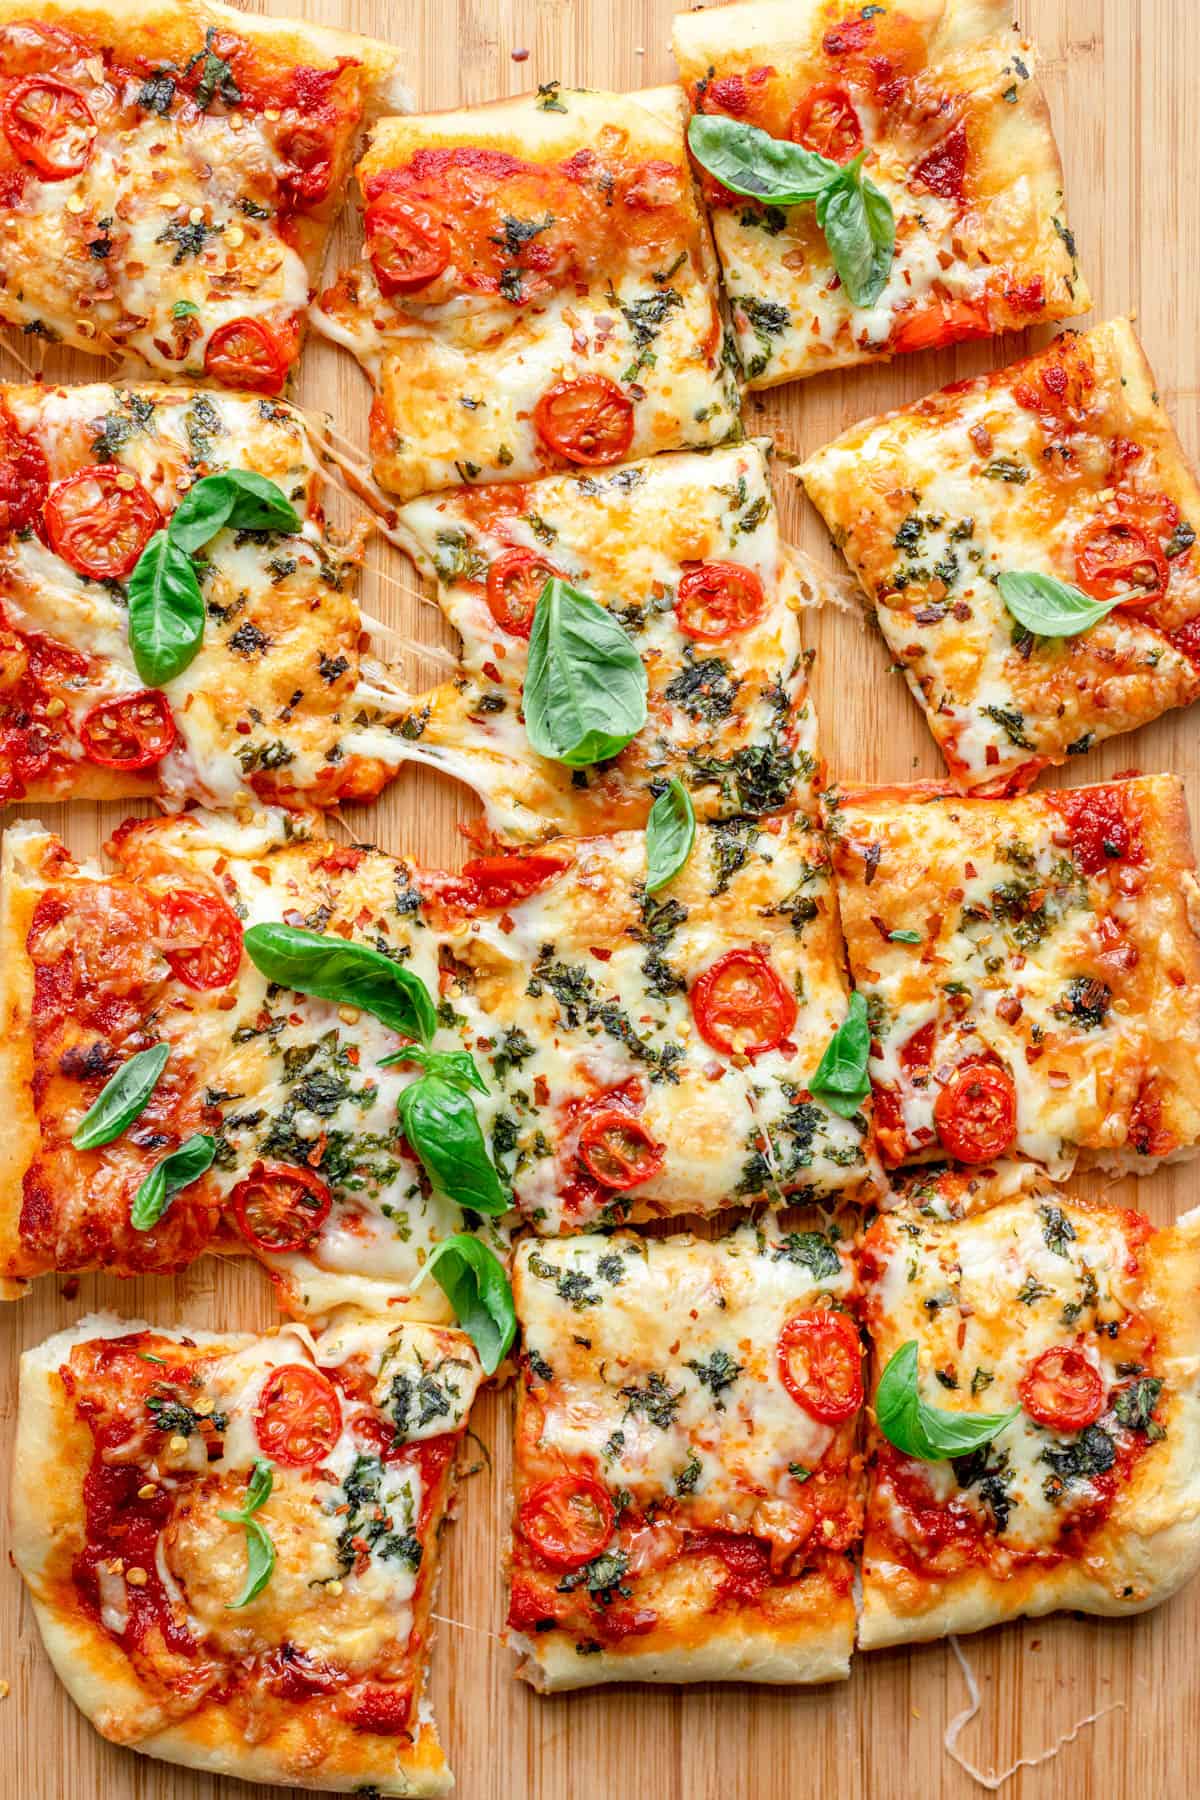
<point x="166" y="611"/>
<point x="928" y="1432"/>
<point x="472" y="1278"/>
<point x="439" y="1122"/>
<point x="841" y="1080"/>
<point x="258" y="1492"/>
<point x="904" y="937"/>
<point x="165" y="1180"/>
<point x="1048" y="607"/>
<point x="236" y="497"/>
<point x="122" y="1099"/>
<point x="860" y="230"/>
<point x="585" y="687"/>
<point x="456" y="1066"/>
<point x="670" y="834"/>
<point x="332" y="968"/>
<point x="260" y="1561"/>
<point x="749" y="161"/>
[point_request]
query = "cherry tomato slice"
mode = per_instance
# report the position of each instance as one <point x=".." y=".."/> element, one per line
<point x="1062" y="1390"/>
<point x="820" y="1364"/>
<point x="514" y="587"/>
<point x="501" y="881"/>
<point x="298" y="1419"/>
<point x="739" y="1003"/>
<point x="976" y="1112"/>
<point x="934" y="326"/>
<point x="568" y="1520"/>
<point x="203" y="939"/>
<point x="24" y="476"/>
<point x="617" y="1150"/>
<point x="589" y="420"/>
<point x="1116" y="559"/>
<point x="408" y="249"/>
<point x="100" y="520"/>
<point x="49" y="125"/>
<point x="245" y="353"/>
<point x="279" y="1206"/>
<point x="717" y="598"/>
<point x="131" y="732"/>
<point x="825" y="121"/>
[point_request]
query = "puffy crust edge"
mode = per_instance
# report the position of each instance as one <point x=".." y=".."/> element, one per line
<point x="22" y="882"/>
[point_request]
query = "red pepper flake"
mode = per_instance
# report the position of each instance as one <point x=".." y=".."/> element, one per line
<point x="541" y="1090"/>
<point x="491" y="671"/>
<point x="600" y="955"/>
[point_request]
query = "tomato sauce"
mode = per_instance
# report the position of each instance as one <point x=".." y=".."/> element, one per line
<point x="1103" y="832"/>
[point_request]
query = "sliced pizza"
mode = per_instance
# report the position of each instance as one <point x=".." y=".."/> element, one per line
<point x="683" y="552"/>
<point x="1031" y="971"/>
<point x="1036" y="1414"/>
<point x="169" y="174"/>
<point x="926" y="121"/>
<point x="537" y="290"/>
<point x="1025" y="541"/>
<point x="232" y="1542"/>
<point x="686" y="1483"/>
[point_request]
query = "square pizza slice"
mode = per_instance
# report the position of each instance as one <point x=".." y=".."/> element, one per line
<point x="1031" y="969"/>
<point x="537" y="290"/>
<point x="1026" y="543"/>
<point x="940" y="99"/>
<point x="232" y="1542"/>
<point x="684" y="552"/>
<point x="686" y="1482"/>
<point x="1036" y="1409"/>
<point x="169" y="174"/>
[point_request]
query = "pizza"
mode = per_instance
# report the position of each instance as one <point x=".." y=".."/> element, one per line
<point x="941" y="100"/>
<point x="231" y="1542"/>
<point x="168" y="177"/>
<point x="1072" y="1324"/>
<point x="1063" y="466"/>
<point x="684" y="552"/>
<point x="1031" y="971"/>
<point x="687" y="1485"/>
<point x="277" y="704"/>
<point x="537" y="290"/>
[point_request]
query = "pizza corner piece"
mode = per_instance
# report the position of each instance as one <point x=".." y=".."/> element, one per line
<point x="537" y="290"/>
<point x="1030" y="969"/>
<point x="232" y="1543"/>
<point x="1034" y="1387"/>
<point x="687" y="1487"/>
<point x="1026" y="541"/>
<point x="170" y="174"/>
<point x="880" y="178"/>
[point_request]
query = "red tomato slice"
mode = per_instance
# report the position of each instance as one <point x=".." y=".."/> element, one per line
<point x="820" y="1364"/>
<point x="568" y="1520"/>
<point x="24" y="476"/>
<point x="617" y="1150"/>
<point x="202" y="938"/>
<point x="501" y="881"/>
<point x="129" y="733"/>
<point x="279" y="1206"/>
<point x="976" y="1112"/>
<point x="943" y="170"/>
<point x="100" y="520"/>
<point x="298" y="1419"/>
<point x="825" y="121"/>
<point x="384" y="1711"/>
<point x="717" y="598"/>
<point x="943" y="322"/>
<point x="408" y="249"/>
<point x="739" y="1003"/>
<point x="1117" y="559"/>
<point x="1062" y="1390"/>
<point x="245" y="353"/>
<point x="589" y="420"/>
<point x="514" y="587"/>
<point x="49" y="125"/>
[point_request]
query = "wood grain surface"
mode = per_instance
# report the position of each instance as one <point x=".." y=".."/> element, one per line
<point x="1123" y="79"/>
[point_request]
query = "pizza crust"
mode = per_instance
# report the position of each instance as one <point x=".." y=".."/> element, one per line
<point x="22" y="882"/>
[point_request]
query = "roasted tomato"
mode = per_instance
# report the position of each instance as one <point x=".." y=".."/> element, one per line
<point x="132" y="732"/>
<point x="825" y="121"/>
<point x="298" y="1419"/>
<point x="976" y="1112"/>
<point x="24" y="476"/>
<point x="943" y="169"/>
<point x="820" y="1364"/>
<point x="202" y="939"/>
<point x="49" y="125"/>
<point x="280" y="1206"/>
<point x="739" y="1003"/>
<point x="407" y="247"/>
<point x="245" y="353"/>
<point x="100" y="520"/>
<point x="931" y="326"/>
<point x="617" y="1150"/>
<point x="1118" y="559"/>
<point x="497" y="882"/>
<point x="715" y="599"/>
<point x="1062" y="1390"/>
<point x="514" y="587"/>
<point x="567" y="1520"/>
<point x="588" y="420"/>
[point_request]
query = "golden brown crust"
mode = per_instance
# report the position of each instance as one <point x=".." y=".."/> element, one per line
<point x="21" y="885"/>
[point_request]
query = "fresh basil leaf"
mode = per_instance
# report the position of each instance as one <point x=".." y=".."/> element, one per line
<point x="165" y="1180"/>
<point x="1049" y="607"/>
<point x="472" y="1278"/>
<point x="585" y="687"/>
<point x="749" y="161"/>
<point x="439" y="1122"/>
<point x="456" y="1066"/>
<point x="332" y="968"/>
<point x="166" y="611"/>
<point x="260" y="1562"/>
<point x="122" y="1099"/>
<point x="236" y="497"/>
<point x="860" y="230"/>
<point x="258" y="1492"/>
<point x="841" y="1078"/>
<point x="928" y="1432"/>
<point x="904" y="937"/>
<point x="670" y="834"/>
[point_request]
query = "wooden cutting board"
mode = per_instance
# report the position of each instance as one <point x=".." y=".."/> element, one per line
<point x="1123" y="78"/>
